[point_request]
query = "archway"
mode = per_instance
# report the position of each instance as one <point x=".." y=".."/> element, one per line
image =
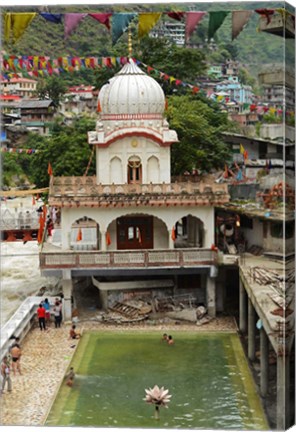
<point x="189" y="232"/>
<point x="84" y="234"/>
<point x="116" y="176"/>
<point x="153" y="170"/>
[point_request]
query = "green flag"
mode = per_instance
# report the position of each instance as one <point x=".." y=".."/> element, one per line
<point x="216" y="20"/>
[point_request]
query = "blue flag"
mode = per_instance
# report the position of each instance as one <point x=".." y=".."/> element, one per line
<point x="55" y="18"/>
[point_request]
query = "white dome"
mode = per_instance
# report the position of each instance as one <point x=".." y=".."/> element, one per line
<point x="131" y="91"/>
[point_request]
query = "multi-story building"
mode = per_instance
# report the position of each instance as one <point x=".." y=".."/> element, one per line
<point x="238" y="92"/>
<point x="24" y="87"/>
<point x="79" y="99"/>
<point x="174" y="31"/>
<point x="37" y="115"/>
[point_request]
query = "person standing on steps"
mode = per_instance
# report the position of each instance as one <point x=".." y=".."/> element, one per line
<point x="5" y="373"/>
<point x="41" y="317"/>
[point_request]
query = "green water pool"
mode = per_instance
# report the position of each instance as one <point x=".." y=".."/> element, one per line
<point x="206" y="374"/>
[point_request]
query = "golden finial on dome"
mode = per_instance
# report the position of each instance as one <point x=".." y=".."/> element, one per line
<point x="130" y="45"/>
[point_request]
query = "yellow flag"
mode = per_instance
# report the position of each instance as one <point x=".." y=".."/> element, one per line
<point x="19" y="23"/>
<point x="146" y="22"/>
<point x="241" y="149"/>
<point x="7" y="26"/>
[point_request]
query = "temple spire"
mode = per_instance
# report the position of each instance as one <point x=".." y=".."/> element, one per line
<point x="130" y="45"/>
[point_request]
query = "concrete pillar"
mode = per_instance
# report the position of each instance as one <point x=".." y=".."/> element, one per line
<point x="264" y="362"/>
<point x="283" y="393"/>
<point x="251" y="330"/>
<point x="67" y="291"/>
<point x="242" y="307"/>
<point x="211" y="296"/>
<point x="103" y="241"/>
<point x="104" y="300"/>
<point x="171" y="241"/>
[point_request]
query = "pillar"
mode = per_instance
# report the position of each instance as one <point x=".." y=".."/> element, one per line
<point x="211" y="296"/>
<point x="242" y="307"/>
<point x="251" y="330"/>
<point x="283" y="392"/>
<point x="103" y="241"/>
<point x="104" y="299"/>
<point x="171" y="241"/>
<point x="67" y="291"/>
<point x="264" y="362"/>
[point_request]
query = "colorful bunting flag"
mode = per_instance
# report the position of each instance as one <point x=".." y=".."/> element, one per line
<point x="239" y="20"/>
<point x="71" y="22"/>
<point x="52" y="17"/>
<point x="120" y="23"/>
<point x="176" y="15"/>
<point x="241" y="149"/>
<point x="103" y="18"/>
<point x="215" y="22"/>
<point x="267" y="13"/>
<point x="146" y="22"/>
<point x="17" y="24"/>
<point x="192" y="20"/>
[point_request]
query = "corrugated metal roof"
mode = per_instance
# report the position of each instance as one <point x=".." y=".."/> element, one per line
<point x="31" y="103"/>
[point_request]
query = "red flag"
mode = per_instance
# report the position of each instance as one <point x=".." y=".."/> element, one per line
<point x="108" y="239"/>
<point x="33" y="200"/>
<point x="79" y="235"/>
<point x="49" y="169"/>
<point x="173" y="234"/>
<point x="99" y="109"/>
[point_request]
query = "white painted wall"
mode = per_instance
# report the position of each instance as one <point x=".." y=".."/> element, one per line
<point x="254" y="236"/>
<point x="112" y="160"/>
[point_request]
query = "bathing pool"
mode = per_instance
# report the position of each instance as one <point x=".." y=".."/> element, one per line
<point x="206" y="374"/>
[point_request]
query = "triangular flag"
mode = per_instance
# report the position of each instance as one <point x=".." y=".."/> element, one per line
<point x="216" y="20"/>
<point x="99" y="109"/>
<point x="79" y="235"/>
<point x="52" y="17"/>
<point x="17" y="23"/>
<point x="239" y="20"/>
<point x="120" y="23"/>
<point x="49" y="169"/>
<point x="241" y="149"/>
<point x="192" y="19"/>
<point x="108" y="239"/>
<point x="146" y="22"/>
<point x="71" y="22"/>
<point x="173" y="235"/>
<point x="33" y="200"/>
<point x="103" y="18"/>
<point x="176" y="15"/>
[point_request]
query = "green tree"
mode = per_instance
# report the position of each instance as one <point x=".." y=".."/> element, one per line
<point x="67" y="150"/>
<point x="198" y="124"/>
<point x="53" y="88"/>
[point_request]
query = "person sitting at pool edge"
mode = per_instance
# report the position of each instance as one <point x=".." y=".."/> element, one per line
<point x="70" y="377"/>
<point x="170" y="340"/>
<point x="73" y="333"/>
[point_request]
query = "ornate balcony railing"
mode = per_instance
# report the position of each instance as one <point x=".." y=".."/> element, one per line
<point x="127" y="259"/>
<point x="84" y="191"/>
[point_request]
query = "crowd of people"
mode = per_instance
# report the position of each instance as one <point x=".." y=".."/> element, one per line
<point x="45" y="310"/>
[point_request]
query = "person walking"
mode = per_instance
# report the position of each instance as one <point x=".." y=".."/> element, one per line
<point x="5" y="373"/>
<point x="46" y="306"/>
<point x="41" y="317"/>
<point x="57" y="314"/>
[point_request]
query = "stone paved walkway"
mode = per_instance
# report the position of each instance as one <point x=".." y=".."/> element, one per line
<point x="47" y="356"/>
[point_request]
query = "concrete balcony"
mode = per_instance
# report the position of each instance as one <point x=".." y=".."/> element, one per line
<point x="278" y="25"/>
<point x="101" y="262"/>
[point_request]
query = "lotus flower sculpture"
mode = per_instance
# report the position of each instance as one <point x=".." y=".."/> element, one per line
<point x="159" y="397"/>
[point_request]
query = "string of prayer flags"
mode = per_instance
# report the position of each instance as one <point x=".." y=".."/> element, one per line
<point x="176" y="15"/>
<point x="146" y="22"/>
<point x="215" y="22"/>
<point x="19" y="150"/>
<point x="103" y="18"/>
<point x="16" y="24"/>
<point x="239" y="21"/>
<point x="120" y="23"/>
<point x="192" y="20"/>
<point x="71" y="22"/>
<point x="52" y="17"/>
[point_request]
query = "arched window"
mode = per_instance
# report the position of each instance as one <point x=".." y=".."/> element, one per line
<point x="134" y="170"/>
<point x="153" y="170"/>
<point x="115" y="171"/>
